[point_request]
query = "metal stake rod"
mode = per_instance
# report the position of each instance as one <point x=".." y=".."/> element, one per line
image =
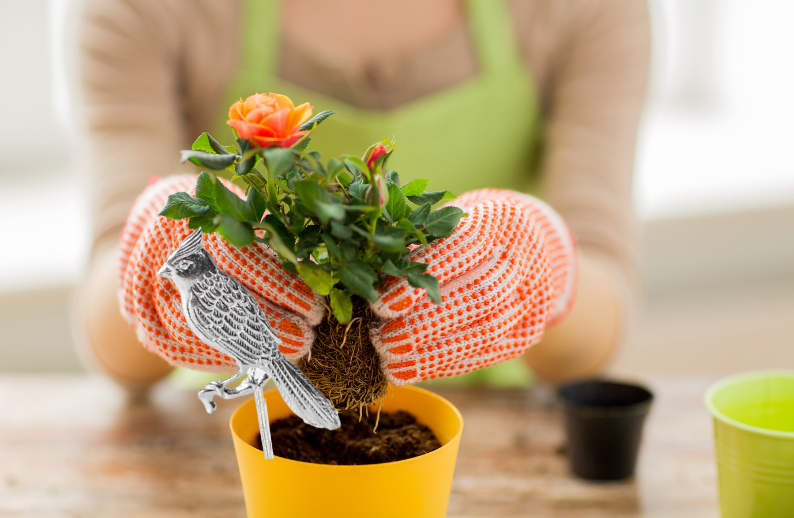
<point x="264" y="423"/>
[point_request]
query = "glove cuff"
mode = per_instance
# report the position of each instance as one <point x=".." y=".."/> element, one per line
<point x="561" y="246"/>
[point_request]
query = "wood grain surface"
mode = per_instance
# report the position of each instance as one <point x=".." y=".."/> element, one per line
<point x="72" y="446"/>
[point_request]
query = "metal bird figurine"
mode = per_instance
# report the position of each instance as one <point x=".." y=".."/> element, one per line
<point x="225" y="316"/>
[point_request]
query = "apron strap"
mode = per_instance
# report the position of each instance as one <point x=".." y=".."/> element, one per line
<point x="492" y="29"/>
<point x="260" y="40"/>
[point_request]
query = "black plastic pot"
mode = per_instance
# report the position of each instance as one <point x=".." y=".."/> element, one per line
<point x="603" y="422"/>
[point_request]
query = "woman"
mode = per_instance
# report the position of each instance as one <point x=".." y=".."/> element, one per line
<point x="485" y="84"/>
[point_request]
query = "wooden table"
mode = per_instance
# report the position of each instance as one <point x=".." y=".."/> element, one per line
<point x="70" y="446"/>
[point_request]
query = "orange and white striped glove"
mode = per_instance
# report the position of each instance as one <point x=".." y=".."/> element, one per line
<point x="508" y="271"/>
<point x="153" y="307"/>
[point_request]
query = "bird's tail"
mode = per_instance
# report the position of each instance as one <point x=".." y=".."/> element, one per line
<point x="302" y="396"/>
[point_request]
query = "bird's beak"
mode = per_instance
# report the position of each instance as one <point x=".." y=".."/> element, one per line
<point x="166" y="271"/>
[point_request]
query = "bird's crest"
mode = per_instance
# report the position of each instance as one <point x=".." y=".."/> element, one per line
<point x="190" y="245"/>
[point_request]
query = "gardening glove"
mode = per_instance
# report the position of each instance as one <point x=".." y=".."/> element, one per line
<point x="505" y="273"/>
<point x="153" y="307"/>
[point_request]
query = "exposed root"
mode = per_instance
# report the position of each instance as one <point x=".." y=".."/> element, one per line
<point x="343" y="364"/>
<point x="352" y="321"/>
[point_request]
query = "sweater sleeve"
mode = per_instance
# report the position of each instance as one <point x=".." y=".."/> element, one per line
<point x="597" y="82"/>
<point x="128" y="102"/>
<point x="150" y="76"/>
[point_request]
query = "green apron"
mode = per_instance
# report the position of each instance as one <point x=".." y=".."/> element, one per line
<point x="481" y="133"/>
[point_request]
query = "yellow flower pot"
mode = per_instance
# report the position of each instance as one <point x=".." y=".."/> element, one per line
<point x="417" y="487"/>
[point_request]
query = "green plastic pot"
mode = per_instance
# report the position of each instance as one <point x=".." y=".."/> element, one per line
<point x="754" y="443"/>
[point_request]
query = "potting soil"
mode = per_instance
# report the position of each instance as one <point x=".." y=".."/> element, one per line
<point x="398" y="437"/>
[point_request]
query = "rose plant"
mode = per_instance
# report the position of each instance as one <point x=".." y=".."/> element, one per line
<point x="343" y="225"/>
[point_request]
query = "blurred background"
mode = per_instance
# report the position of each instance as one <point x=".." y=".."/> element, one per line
<point x="714" y="189"/>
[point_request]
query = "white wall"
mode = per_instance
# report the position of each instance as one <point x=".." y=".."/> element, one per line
<point x="44" y="230"/>
<point x="719" y="134"/>
<point x="33" y="141"/>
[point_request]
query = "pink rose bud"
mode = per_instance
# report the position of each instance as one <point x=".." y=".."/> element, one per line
<point x="377" y="152"/>
<point x="382" y="192"/>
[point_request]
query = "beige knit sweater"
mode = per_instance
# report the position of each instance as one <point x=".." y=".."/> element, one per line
<point x="152" y="74"/>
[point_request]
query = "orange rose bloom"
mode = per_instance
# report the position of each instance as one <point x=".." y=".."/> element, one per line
<point x="269" y="120"/>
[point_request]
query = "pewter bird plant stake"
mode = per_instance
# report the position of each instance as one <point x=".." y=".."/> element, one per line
<point x="225" y="316"/>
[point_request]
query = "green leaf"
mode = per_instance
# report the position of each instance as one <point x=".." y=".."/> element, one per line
<point x="359" y="231"/>
<point x="202" y="143"/>
<point x="407" y="225"/>
<point x="356" y="166"/>
<point x="309" y="239"/>
<point x="428" y="282"/>
<point x="279" y="160"/>
<point x="316" y="278"/>
<point x="359" y="278"/>
<point x="389" y="244"/>
<point x="297" y="215"/>
<point x="396" y="206"/>
<point x="341" y="231"/>
<point x="389" y="268"/>
<point x="329" y="211"/>
<point x="348" y="251"/>
<point x="238" y="233"/>
<point x="343" y="177"/>
<point x="358" y="190"/>
<point x="330" y="245"/>
<point x="205" y="189"/>
<point x="392" y="178"/>
<point x="315" y="198"/>
<point x="358" y="208"/>
<point x="384" y="229"/>
<point x="229" y="203"/>
<point x="181" y="205"/>
<point x="245" y="166"/>
<point x="208" y="160"/>
<point x="317" y="119"/>
<point x="393" y="233"/>
<point x="206" y="143"/>
<point x="449" y="196"/>
<point x="341" y="305"/>
<point x="442" y="222"/>
<point x="275" y="242"/>
<point x="412" y="267"/>
<point x="430" y="197"/>
<point x="275" y="224"/>
<point x="419" y="216"/>
<point x="415" y="187"/>
<point x="312" y="158"/>
<point x="221" y="199"/>
<point x="309" y="192"/>
<point x="257" y="203"/>
<point x="335" y="167"/>
<point x="206" y="223"/>
<point x="301" y="144"/>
